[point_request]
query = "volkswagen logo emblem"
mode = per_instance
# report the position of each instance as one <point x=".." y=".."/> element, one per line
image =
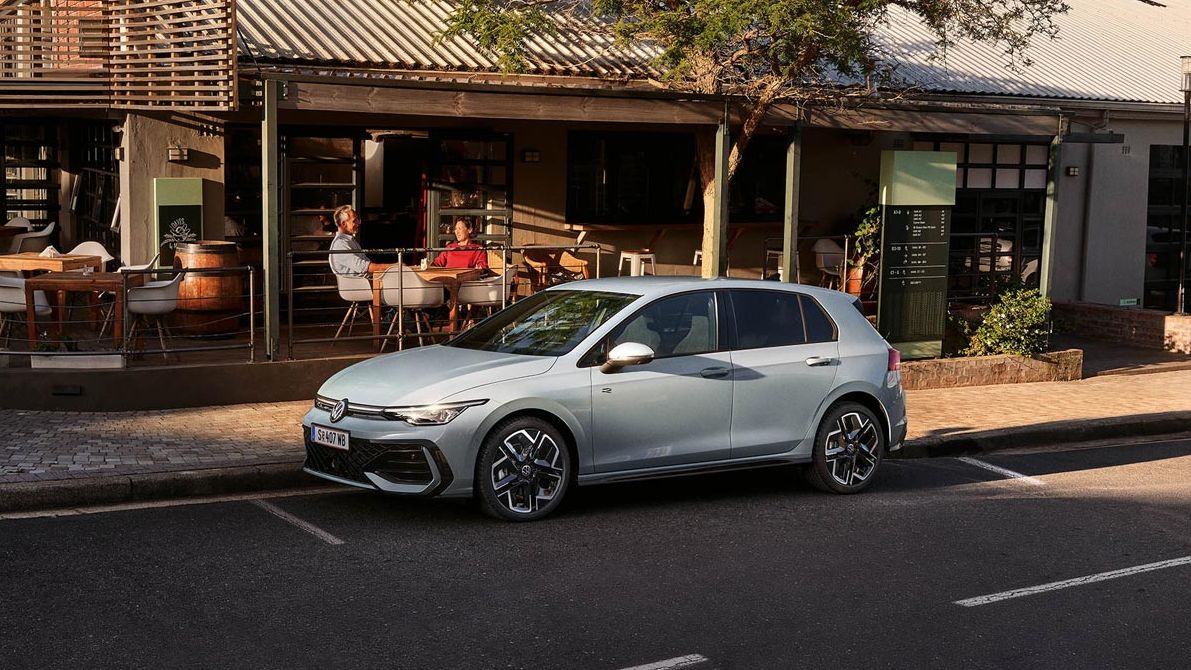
<point x="339" y="410"/>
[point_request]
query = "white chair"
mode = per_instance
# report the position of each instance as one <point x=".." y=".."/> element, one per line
<point x="829" y="259"/>
<point x="354" y="290"/>
<point x="151" y="303"/>
<point x="487" y="293"/>
<point x="637" y="259"/>
<point x="33" y="241"/>
<point x="93" y="249"/>
<point x="12" y="304"/>
<point x="19" y="222"/>
<point x="403" y="289"/>
<point x="109" y="311"/>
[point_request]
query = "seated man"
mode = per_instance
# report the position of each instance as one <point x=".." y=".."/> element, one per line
<point x="464" y="253"/>
<point x="355" y="264"/>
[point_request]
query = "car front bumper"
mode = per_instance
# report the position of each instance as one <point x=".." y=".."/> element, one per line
<point x="394" y="457"/>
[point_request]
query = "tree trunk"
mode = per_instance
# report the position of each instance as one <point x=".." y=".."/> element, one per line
<point x="705" y="156"/>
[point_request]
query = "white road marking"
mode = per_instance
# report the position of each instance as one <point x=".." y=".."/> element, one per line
<point x="671" y="663"/>
<point x="1004" y="472"/>
<point x="300" y="523"/>
<point x="1067" y="583"/>
<point x="175" y="502"/>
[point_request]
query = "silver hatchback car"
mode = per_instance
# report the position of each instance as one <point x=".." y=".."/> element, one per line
<point x="614" y="379"/>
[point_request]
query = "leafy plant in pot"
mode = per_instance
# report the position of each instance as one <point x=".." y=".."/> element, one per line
<point x="866" y="246"/>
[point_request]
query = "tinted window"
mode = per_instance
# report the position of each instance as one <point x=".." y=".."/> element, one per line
<point x="549" y="323"/>
<point x="819" y="327"/>
<point x="767" y="319"/>
<point x="681" y="325"/>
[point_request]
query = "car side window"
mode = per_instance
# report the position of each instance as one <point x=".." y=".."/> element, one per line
<point x="681" y="325"/>
<point x="819" y="327"/>
<point x="767" y="319"/>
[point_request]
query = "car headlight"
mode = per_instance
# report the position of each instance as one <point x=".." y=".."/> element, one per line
<point x="430" y="415"/>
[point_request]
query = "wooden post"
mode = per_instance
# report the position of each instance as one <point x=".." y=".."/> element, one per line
<point x="714" y="236"/>
<point x="1052" y="214"/>
<point x="790" y="220"/>
<point x="271" y="218"/>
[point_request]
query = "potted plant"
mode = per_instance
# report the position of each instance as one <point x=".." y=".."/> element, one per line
<point x="866" y="245"/>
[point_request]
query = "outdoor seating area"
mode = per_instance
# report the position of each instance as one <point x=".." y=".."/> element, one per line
<point x="72" y="310"/>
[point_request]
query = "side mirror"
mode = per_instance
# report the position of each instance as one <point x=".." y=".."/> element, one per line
<point x="628" y="353"/>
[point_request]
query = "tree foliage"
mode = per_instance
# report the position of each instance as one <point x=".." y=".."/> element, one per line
<point x="1019" y="323"/>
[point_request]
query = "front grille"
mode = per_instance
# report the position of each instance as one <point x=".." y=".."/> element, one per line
<point x="354" y="409"/>
<point x="398" y="463"/>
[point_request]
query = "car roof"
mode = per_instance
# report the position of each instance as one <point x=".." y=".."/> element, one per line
<point x="653" y="286"/>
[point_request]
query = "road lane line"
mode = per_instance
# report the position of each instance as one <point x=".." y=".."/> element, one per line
<point x="1068" y="583"/>
<point x="671" y="663"/>
<point x="1004" y="472"/>
<point x="175" y="502"/>
<point x="304" y="525"/>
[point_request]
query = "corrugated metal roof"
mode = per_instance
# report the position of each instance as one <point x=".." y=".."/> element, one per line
<point x="400" y="34"/>
<point x="1121" y="50"/>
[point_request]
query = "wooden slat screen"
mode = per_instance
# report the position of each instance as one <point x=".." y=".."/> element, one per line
<point x="126" y="54"/>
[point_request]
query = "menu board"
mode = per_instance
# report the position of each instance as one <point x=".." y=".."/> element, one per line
<point x="914" y="255"/>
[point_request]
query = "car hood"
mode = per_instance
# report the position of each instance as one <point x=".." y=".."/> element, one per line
<point x="426" y="375"/>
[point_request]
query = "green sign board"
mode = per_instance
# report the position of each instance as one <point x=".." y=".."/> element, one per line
<point x="177" y="214"/>
<point x="917" y="192"/>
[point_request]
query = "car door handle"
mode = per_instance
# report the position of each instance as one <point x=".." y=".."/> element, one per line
<point x="819" y="361"/>
<point x="714" y="373"/>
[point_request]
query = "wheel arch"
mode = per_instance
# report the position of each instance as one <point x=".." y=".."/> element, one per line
<point x="554" y="414"/>
<point x="858" y="394"/>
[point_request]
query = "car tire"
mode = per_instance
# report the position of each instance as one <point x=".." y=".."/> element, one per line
<point x="849" y="448"/>
<point x="524" y="470"/>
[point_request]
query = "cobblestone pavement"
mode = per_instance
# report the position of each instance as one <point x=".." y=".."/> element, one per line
<point x="62" y="445"/>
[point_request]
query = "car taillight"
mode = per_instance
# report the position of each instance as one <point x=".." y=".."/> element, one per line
<point x="895" y="360"/>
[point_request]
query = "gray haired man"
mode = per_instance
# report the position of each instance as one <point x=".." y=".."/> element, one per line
<point x="351" y="264"/>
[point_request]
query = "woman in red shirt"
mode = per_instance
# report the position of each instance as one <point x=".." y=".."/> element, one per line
<point x="463" y="252"/>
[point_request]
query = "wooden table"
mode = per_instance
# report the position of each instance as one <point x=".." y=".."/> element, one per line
<point x="63" y="282"/>
<point x="30" y="261"/>
<point x="451" y="278"/>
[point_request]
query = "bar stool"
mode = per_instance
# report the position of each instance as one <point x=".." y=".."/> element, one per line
<point x="637" y="259"/>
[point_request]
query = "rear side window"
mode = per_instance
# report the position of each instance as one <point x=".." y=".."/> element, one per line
<point x="767" y="319"/>
<point x="819" y="327"/>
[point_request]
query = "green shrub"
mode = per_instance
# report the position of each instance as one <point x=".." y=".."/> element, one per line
<point x="1019" y="323"/>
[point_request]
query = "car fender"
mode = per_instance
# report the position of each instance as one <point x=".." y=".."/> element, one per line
<point x="577" y="427"/>
<point x="855" y="386"/>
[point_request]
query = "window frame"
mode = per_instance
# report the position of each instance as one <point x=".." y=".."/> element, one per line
<point x="799" y="296"/>
<point x="596" y="354"/>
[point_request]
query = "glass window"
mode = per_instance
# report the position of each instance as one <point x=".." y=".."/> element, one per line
<point x="681" y="325"/>
<point x="980" y="153"/>
<point x="549" y="323"/>
<point x="632" y="178"/>
<point x="1037" y="154"/>
<point x="767" y="319"/>
<point x="1008" y="178"/>
<point x="1035" y="179"/>
<point x="979" y="178"/>
<point x="819" y="327"/>
<point x="1008" y="154"/>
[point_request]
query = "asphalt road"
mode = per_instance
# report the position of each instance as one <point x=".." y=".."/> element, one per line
<point x="751" y="570"/>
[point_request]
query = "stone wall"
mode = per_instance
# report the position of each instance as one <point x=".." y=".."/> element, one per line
<point x="1145" y="328"/>
<point x="1056" y="366"/>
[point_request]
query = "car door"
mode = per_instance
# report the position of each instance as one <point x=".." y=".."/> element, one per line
<point x="785" y="356"/>
<point x="676" y="409"/>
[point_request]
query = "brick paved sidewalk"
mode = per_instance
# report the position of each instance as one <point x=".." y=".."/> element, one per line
<point x="69" y="445"/>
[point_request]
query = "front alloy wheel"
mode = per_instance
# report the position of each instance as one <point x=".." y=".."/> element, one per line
<point x="524" y="470"/>
<point x="848" y="449"/>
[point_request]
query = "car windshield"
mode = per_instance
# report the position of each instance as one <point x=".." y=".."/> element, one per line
<point x="549" y="323"/>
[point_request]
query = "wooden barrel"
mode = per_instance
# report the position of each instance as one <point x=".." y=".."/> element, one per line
<point x="209" y="304"/>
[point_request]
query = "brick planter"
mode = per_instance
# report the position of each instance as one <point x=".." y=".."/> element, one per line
<point x="1144" y="328"/>
<point x="1056" y="366"/>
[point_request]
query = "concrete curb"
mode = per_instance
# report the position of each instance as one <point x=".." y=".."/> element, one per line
<point x="964" y="444"/>
<point x="113" y="489"/>
<point x="84" y="491"/>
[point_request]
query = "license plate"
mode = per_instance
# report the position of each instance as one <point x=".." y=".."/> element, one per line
<point x="329" y="437"/>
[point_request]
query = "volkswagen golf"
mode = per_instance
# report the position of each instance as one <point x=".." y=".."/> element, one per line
<point x="614" y="379"/>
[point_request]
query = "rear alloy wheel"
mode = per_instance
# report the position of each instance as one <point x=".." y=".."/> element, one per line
<point x="524" y="470"/>
<point x="849" y="446"/>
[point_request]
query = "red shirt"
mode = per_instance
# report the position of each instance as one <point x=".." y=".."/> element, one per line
<point x="460" y="256"/>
